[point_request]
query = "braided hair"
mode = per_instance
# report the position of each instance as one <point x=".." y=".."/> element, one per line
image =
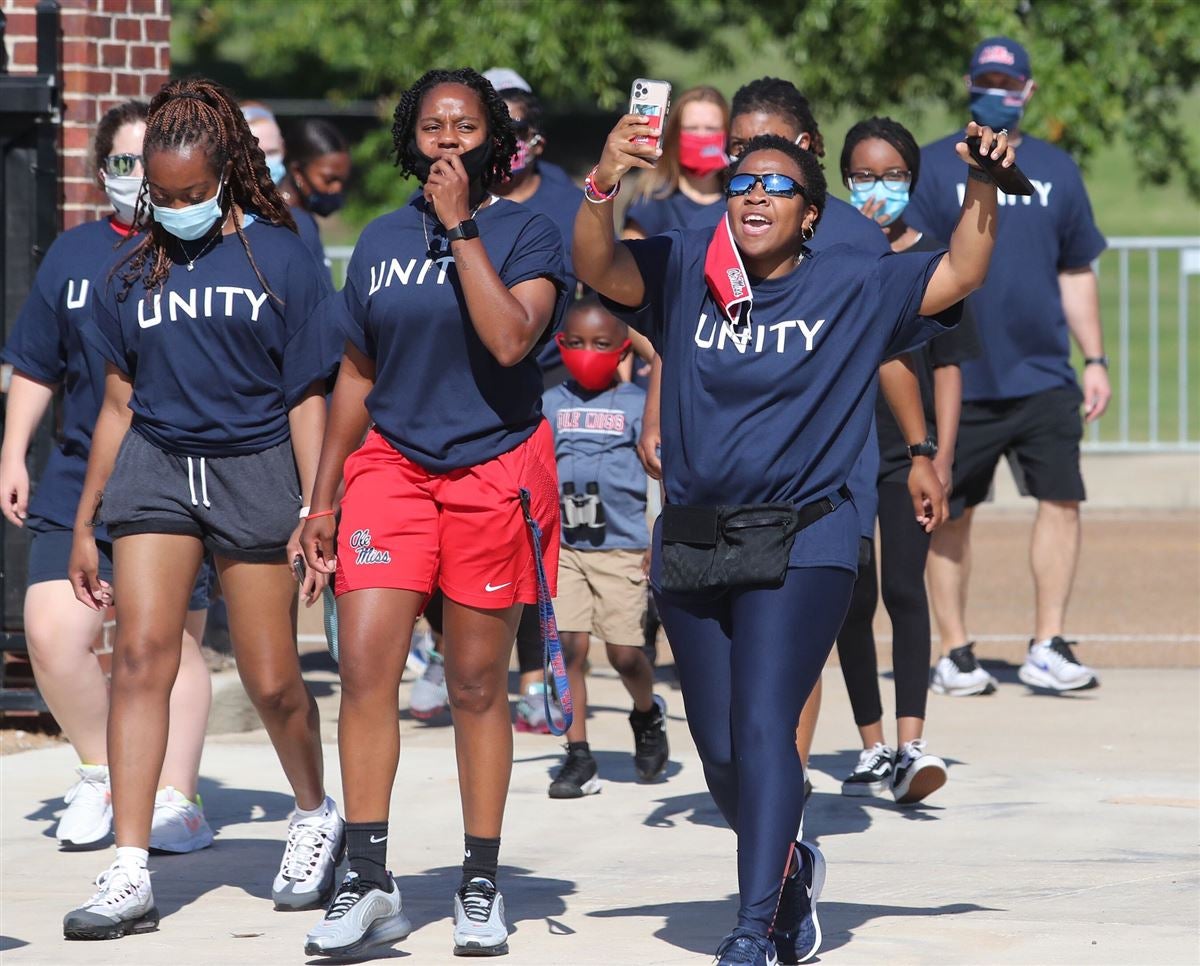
<point x="500" y="129"/>
<point x="815" y="190"/>
<point x="895" y="134"/>
<point x="199" y="112"/>
<point x="773" y="95"/>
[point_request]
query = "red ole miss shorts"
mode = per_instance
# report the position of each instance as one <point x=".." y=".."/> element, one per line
<point x="405" y="528"/>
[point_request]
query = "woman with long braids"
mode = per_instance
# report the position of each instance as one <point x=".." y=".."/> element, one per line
<point x="207" y="439"/>
<point x="769" y="354"/>
<point x="446" y="301"/>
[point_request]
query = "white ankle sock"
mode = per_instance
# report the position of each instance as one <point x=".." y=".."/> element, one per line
<point x="132" y="857"/>
<point x="319" y="812"/>
<point x="1043" y="643"/>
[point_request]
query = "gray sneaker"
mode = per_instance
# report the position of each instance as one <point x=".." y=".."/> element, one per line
<point x="308" y="871"/>
<point x="123" y="905"/>
<point x="361" y="917"/>
<point x="479" y="927"/>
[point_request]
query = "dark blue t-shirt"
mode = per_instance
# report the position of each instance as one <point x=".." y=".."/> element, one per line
<point x="656" y="215"/>
<point x="216" y="362"/>
<point x="777" y="410"/>
<point x="440" y="397"/>
<point x="310" y="234"/>
<point x="595" y="441"/>
<point x="1022" y="328"/>
<point x="45" y="345"/>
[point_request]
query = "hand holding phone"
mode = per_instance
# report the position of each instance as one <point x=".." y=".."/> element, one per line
<point x="1010" y="180"/>
<point x="652" y="100"/>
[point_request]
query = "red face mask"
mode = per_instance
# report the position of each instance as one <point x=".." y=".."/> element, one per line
<point x="702" y="154"/>
<point x="591" y="368"/>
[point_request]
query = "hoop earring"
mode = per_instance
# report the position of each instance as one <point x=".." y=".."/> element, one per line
<point x="809" y="236"/>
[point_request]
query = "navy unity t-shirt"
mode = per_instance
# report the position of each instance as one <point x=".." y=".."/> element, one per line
<point x="778" y="407"/>
<point x="45" y="344"/>
<point x="440" y="397"/>
<point x="1022" y="327"/>
<point x="216" y="359"/>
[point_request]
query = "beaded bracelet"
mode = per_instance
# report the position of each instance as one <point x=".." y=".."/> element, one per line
<point x="594" y="194"/>
<point x="320" y="513"/>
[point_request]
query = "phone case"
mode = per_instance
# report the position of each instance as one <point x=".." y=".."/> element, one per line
<point x="652" y="99"/>
<point x="1011" y="181"/>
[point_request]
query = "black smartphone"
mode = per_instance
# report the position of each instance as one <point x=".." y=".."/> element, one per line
<point x="1011" y="181"/>
<point x="298" y="568"/>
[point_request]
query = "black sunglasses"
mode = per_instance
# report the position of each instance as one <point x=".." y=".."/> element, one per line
<point x="776" y="185"/>
<point x="121" y="165"/>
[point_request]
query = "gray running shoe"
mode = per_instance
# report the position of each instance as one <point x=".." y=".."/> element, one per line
<point x="479" y="927"/>
<point x="308" y="870"/>
<point x="361" y="917"/>
<point x="123" y="904"/>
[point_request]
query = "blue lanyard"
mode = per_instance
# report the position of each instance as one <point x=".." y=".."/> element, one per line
<point x="553" y="665"/>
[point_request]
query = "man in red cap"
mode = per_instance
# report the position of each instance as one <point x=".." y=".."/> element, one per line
<point x="1021" y="397"/>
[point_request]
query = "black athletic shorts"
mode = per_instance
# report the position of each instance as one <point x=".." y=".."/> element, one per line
<point x="1040" y="434"/>
<point x="241" y="507"/>
<point x="50" y="550"/>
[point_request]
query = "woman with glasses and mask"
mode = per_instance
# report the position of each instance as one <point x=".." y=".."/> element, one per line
<point x="770" y="352"/>
<point x="317" y="162"/>
<point x="47" y="354"/>
<point x="880" y="164"/>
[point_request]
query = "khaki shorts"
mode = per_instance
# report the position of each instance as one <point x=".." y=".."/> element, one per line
<point x="602" y="592"/>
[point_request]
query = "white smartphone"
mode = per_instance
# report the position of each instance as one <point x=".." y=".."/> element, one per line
<point x="652" y="99"/>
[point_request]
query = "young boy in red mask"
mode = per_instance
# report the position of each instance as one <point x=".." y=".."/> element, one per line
<point x="597" y="419"/>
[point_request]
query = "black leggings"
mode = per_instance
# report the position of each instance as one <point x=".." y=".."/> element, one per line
<point x="747" y="662"/>
<point x="904" y="547"/>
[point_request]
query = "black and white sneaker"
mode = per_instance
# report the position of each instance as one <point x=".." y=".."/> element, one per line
<point x="650" y="748"/>
<point x="123" y="905"/>
<point x="361" y="917"/>
<point x="917" y="775"/>
<point x="577" y="777"/>
<point x="797" y="932"/>
<point x="959" y="675"/>
<point x="1052" y="665"/>
<point x="479" y="926"/>
<point x="873" y="774"/>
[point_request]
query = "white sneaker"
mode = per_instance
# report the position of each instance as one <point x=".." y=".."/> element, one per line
<point x="917" y="775"/>
<point x="429" y="696"/>
<point x="419" y="649"/>
<point x="959" y="675"/>
<point x="87" y="822"/>
<point x="178" y="824"/>
<point x="360" y="918"/>
<point x="1052" y="664"/>
<point x="479" y="926"/>
<point x="123" y="904"/>
<point x="314" y="849"/>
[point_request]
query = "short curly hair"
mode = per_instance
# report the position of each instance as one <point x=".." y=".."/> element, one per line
<point x="810" y="168"/>
<point x="500" y="127"/>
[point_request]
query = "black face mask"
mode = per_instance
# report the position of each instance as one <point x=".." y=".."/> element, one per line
<point x="325" y="203"/>
<point x="475" y="162"/>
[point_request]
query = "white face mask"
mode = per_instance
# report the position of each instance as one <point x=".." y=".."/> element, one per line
<point x="122" y="193"/>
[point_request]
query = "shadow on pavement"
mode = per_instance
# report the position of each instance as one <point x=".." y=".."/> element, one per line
<point x="697" y="808"/>
<point x="234" y="806"/>
<point x="840" y="919"/>
<point x="11" y="942"/>
<point x="615" y="766"/>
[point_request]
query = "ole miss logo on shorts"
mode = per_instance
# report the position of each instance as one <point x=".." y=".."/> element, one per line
<point x="364" y="553"/>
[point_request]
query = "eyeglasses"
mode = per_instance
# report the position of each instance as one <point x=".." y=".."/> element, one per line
<point x="522" y="129"/>
<point x="776" y="185"/>
<point x="121" y="165"/>
<point x="893" y="178"/>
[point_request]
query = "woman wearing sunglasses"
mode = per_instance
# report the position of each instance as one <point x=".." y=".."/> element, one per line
<point x="769" y="358"/>
<point x="46" y="352"/>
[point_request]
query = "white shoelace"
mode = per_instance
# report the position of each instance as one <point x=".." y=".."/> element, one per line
<point x="113" y="886"/>
<point x="305" y="843"/>
<point x="73" y="792"/>
<point x="869" y="758"/>
<point x="913" y="750"/>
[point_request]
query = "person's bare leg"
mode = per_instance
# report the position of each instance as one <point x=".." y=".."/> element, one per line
<point x="154" y="573"/>
<point x="371" y="658"/>
<point x="191" y="698"/>
<point x="807" y="728"/>
<point x="637" y="674"/>
<point x="262" y="626"/>
<point x="1053" y="555"/>
<point x="871" y="734"/>
<point x="948" y="571"/>
<point x="478" y="645"/>
<point x="575" y="651"/>
<point x="60" y="633"/>
<point x="909" y="729"/>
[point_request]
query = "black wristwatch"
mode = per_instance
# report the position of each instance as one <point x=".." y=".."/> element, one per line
<point x="463" y="231"/>
<point x="927" y="447"/>
<point x="1096" y="361"/>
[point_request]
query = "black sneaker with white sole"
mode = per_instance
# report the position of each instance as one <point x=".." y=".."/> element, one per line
<point x="917" y="774"/>
<point x="578" y="776"/>
<point x="873" y="774"/>
<point x="650" y="748"/>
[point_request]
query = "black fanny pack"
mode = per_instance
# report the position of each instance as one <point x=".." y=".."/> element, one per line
<point x="713" y="548"/>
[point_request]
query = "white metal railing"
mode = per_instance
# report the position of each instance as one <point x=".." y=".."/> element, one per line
<point x="1146" y="287"/>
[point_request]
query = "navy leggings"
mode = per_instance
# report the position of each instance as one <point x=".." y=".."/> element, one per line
<point x="747" y="662"/>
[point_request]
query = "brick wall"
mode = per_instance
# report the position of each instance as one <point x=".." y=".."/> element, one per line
<point x="112" y="50"/>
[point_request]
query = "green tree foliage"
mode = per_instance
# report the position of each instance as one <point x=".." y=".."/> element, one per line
<point x="1105" y="68"/>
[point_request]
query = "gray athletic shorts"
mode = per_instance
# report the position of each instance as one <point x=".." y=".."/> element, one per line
<point x="241" y="507"/>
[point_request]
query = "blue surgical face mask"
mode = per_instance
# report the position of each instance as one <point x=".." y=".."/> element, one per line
<point x="894" y="199"/>
<point x="193" y="221"/>
<point x="275" y="167"/>
<point x="997" y="108"/>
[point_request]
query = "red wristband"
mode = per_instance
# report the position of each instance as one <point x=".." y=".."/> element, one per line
<point x="314" y="514"/>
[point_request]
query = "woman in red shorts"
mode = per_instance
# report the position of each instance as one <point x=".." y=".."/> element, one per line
<point x="445" y="301"/>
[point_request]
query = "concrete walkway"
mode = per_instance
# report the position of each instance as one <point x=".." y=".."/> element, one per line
<point x="1068" y="834"/>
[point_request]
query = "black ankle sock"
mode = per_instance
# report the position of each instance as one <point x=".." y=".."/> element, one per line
<point x="366" y="845"/>
<point x="650" y="717"/>
<point x="579" y="746"/>
<point x="481" y="857"/>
